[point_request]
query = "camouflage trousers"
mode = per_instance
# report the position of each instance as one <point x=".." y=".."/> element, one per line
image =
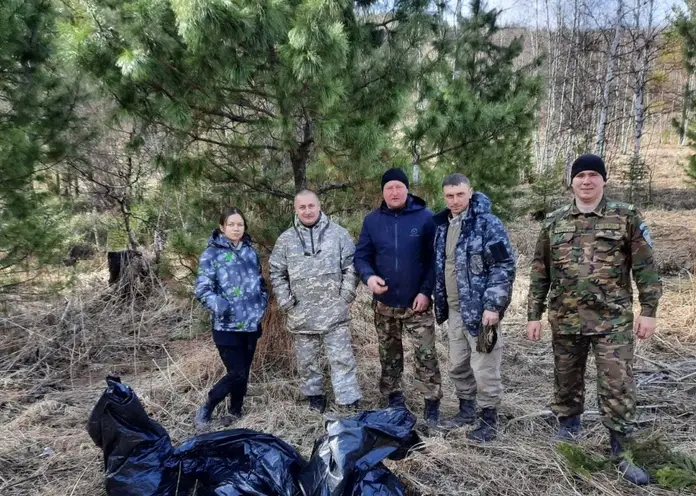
<point x="616" y="388"/>
<point x="339" y="352"/>
<point x="475" y="375"/>
<point x="390" y="324"/>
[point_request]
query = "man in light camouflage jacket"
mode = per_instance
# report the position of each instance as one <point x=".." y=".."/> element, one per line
<point x="314" y="282"/>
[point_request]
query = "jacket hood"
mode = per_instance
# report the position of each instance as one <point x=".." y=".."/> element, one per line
<point x="219" y="240"/>
<point x="478" y="205"/>
<point x="311" y="237"/>
<point x="413" y="204"/>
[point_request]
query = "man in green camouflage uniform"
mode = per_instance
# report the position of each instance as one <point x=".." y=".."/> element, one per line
<point x="583" y="262"/>
<point x="314" y="281"/>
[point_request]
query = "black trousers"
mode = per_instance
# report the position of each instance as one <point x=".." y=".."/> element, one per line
<point x="237" y="357"/>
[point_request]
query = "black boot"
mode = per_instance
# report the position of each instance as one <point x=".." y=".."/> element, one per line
<point x="628" y="470"/>
<point x="203" y="415"/>
<point x="318" y="403"/>
<point x="397" y="400"/>
<point x="487" y="428"/>
<point x="234" y="407"/>
<point x="431" y="412"/>
<point x="466" y="415"/>
<point x="569" y="428"/>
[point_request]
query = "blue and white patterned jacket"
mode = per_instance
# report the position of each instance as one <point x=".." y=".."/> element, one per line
<point x="230" y="284"/>
<point x="484" y="262"/>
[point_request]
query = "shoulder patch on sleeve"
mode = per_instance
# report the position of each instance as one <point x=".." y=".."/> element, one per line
<point x="617" y="204"/>
<point x="558" y="211"/>
<point x="499" y="251"/>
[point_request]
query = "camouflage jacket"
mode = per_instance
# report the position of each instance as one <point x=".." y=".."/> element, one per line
<point x="312" y="275"/>
<point x="484" y="263"/>
<point x="231" y="286"/>
<point x="583" y="263"/>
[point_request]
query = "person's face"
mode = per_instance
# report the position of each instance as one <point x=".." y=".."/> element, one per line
<point x="233" y="229"/>
<point x="308" y="209"/>
<point x="588" y="186"/>
<point x="395" y="194"/>
<point x="457" y="197"/>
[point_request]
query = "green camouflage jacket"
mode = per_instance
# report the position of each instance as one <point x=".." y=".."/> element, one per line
<point x="583" y="263"/>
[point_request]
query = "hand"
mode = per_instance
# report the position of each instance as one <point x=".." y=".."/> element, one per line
<point x="534" y="330"/>
<point x="421" y="303"/>
<point x="377" y="285"/>
<point x="490" y="318"/>
<point x="644" y="327"/>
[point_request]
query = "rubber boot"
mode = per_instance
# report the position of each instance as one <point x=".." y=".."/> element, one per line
<point x="628" y="470"/>
<point x="203" y="416"/>
<point x="431" y="412"/>
<point x="569" y="429"/>
<point x="487" y="428"/>
<point x="397" y="400"/>
<point x="465" y="416"/>
<point x="318" y="403"/>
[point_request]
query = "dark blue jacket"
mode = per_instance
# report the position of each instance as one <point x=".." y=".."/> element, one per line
<point x="484" y="262"/>
<point x="231" y="286"/>
<point x="398" y="247"/>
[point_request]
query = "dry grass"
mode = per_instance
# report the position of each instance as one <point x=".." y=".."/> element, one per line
<point x="54" y="356"/>
<point x="176" y="378"/>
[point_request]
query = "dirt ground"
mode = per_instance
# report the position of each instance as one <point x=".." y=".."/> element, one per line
<point x="54" y="357"/>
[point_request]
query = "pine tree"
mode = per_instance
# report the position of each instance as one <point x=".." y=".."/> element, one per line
<point x="685" y="25"/>
<point x="477" y="106"/>
<point x="270" y="95"/>
<point x="36" y="120"/>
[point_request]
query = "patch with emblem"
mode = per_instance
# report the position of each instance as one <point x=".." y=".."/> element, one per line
<point x="608" y="227"/>
<point x="568" y="228"/>
<point x="414" y="232"/>
<point x="476" y="264"/>
<point x="646" y="234"/>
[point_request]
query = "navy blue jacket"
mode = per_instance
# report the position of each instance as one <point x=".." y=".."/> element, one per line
<point x="484" y="262"/>
<point x="397" y="245"/>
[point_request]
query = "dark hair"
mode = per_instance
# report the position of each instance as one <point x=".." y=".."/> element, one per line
<point x="455" y="179"/>
<point x="225" y="214"/>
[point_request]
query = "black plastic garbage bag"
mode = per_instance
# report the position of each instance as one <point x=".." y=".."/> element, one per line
<point x="347" y="461"/>
<point x="135" y="446"/>
<point x="237" y="462"/>
<point x="139" y="458"/>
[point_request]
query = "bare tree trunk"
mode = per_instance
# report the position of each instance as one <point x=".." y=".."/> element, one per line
<point x="552" y="89"/>
<point x="688" y="91"/>
<point x="608" y="82"/>
<point x="300" y="156"/>
<point x="643" y="62"/>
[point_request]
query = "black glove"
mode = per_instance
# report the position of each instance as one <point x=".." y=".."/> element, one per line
<point x="486" y="339"/>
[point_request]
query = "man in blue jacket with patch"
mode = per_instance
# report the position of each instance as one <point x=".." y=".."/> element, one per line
<point x="474" y="273"/>
<point x="394" y="258"/>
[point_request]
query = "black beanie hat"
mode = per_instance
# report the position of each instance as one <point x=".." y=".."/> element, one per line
<point x="394" y="174"/>
<point x="588" y="162"/>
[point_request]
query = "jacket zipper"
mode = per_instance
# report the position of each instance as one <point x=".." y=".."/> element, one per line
<point x="396" y="250"/>
<point x="311" y="238"/>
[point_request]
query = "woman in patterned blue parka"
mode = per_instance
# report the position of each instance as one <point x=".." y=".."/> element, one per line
<point x="230" y="284"/>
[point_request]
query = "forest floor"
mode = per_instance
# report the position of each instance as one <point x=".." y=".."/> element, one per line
<point x="55" y="354"/>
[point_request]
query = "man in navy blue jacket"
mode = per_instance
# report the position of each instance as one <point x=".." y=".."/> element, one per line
<point x="395" y="259"/>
